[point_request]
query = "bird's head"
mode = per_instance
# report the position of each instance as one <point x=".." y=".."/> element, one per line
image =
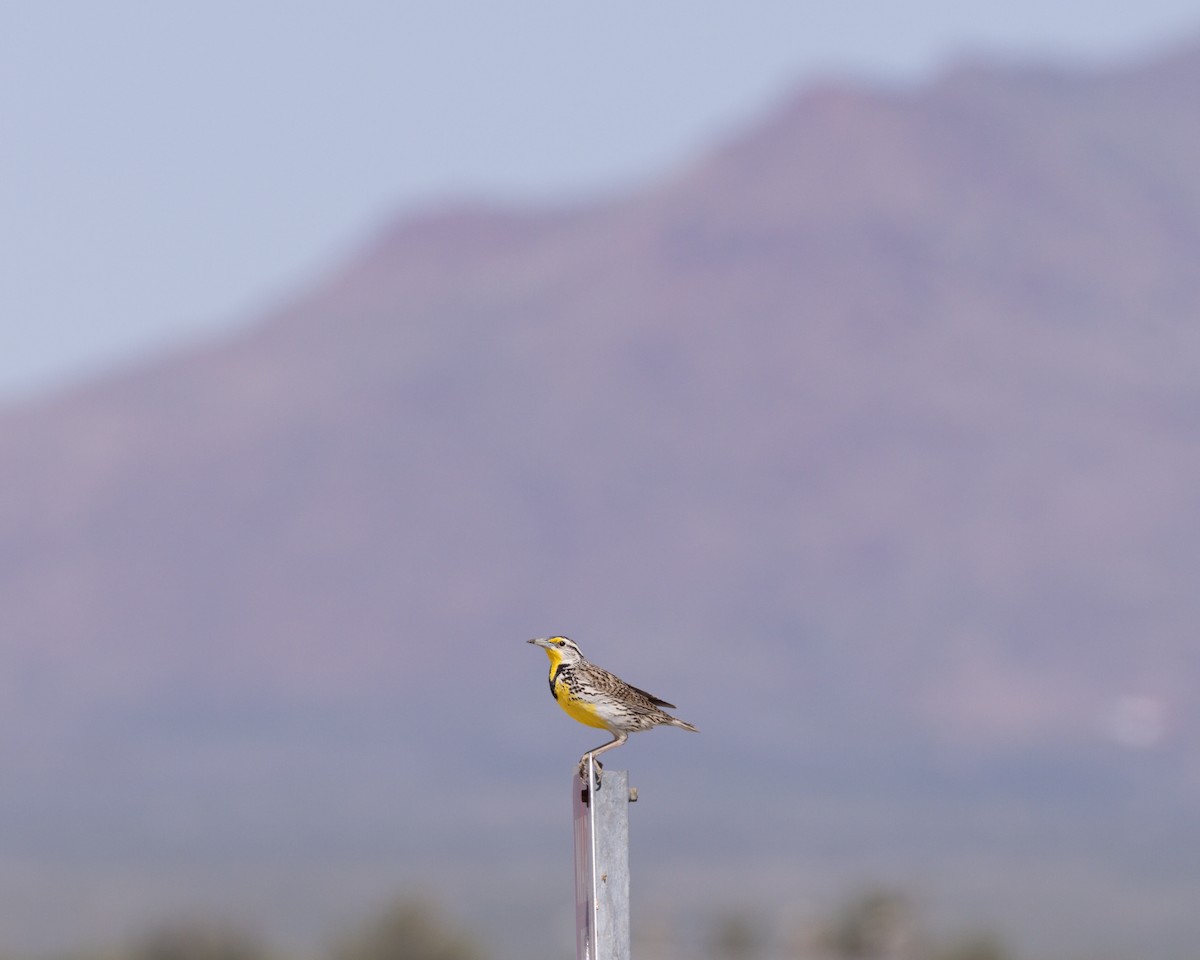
<point x="559" y="649"/>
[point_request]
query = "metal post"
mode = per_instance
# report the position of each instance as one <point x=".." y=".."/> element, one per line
<point x="602" y="864"/>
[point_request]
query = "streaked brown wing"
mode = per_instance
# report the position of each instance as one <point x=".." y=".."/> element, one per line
<point x="652" y="698"/>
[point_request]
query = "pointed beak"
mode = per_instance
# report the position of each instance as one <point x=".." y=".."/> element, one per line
<point x="540" y="641"/>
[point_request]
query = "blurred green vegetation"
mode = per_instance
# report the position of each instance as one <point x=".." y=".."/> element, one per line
<point x="408" y="931"/>
<point x="875" y="925"/>
<point x="195" y="942"/>
<point x="880" y="923"/>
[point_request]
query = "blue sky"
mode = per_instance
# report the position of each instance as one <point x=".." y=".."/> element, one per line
<point x="170" y="170"/>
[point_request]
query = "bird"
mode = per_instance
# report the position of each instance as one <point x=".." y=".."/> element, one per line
<point x="597" y="698"/>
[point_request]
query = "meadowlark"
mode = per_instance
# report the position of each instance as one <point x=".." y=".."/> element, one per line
<point x="595" y="697"/>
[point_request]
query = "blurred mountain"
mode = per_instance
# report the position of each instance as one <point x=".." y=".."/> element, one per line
<point x="872" y="439"/>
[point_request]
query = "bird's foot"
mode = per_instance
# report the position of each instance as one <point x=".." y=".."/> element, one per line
<point x="583" y="769"/>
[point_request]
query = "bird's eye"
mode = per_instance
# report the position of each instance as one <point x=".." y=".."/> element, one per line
<point x="559" y="642"/>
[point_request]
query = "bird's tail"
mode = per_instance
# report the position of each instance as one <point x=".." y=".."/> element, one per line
<point x="682" y="724"/>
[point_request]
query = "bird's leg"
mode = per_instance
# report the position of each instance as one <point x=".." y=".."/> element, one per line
<point x="612" y="744"/>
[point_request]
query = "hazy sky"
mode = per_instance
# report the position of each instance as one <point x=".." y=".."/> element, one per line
<point x="168" y="169"/>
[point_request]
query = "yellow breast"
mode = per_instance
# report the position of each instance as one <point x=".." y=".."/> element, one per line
<point x="577" y="709"/>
